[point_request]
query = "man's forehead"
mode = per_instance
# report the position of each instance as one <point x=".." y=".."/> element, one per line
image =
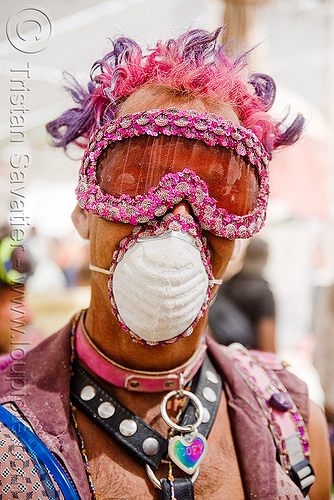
<point x="159" y="97"/>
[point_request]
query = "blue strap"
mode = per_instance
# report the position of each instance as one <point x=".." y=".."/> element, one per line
<point x="35" y="445"/>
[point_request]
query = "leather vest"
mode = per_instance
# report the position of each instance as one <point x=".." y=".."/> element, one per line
<point x="39" y="385"/>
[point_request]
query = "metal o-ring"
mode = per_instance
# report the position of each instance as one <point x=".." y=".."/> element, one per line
<point x="173" y="425"/>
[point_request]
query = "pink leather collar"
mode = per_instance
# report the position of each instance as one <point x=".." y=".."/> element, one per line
<point x="134" y="380"/>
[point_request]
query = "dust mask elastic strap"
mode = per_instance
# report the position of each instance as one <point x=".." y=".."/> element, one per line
<point x="105" y="271"/>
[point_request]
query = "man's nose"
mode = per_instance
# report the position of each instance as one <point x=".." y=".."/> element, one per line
<point x="182" y="208"/>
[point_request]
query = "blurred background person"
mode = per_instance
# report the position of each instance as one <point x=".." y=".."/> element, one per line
<point x="48" y="276"/>
<point x="324" y="353"/>
<point x="244" y="309"/>
<point x="16" y="329"/>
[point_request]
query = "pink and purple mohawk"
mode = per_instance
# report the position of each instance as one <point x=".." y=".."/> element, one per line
<point x="193" y="64"/>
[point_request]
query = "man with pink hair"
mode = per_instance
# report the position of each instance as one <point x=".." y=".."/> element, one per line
<point x="131" y="398"/>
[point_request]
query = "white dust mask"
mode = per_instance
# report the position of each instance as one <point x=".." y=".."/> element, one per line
<point x="159" y="286"/>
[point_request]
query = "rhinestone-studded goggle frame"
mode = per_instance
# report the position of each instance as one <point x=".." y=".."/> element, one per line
<point x="185" y="185"/>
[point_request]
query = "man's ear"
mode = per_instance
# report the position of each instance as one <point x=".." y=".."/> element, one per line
<point x="80" y="219"/>
<point x="236" y="250"/>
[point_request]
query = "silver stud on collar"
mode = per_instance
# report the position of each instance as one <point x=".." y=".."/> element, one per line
<point x="150" y="446"/>
<point x="106" y="410"/>
<point x="128" y="427"/>
<point x="209" y="394"/>
<point x="211" y="377"/>
<point x="206" y="416"/>
<point x="87" y="393"/>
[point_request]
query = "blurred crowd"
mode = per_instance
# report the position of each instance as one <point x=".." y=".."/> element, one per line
<point x="35" y="272"/>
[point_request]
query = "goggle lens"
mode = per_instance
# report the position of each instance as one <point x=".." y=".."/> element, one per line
<point x="133" y="166"/>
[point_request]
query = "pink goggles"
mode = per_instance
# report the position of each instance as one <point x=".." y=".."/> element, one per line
<point x="137" y="167"/>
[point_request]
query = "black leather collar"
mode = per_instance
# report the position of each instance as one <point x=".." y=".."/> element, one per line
<point x="138" y="438"/>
